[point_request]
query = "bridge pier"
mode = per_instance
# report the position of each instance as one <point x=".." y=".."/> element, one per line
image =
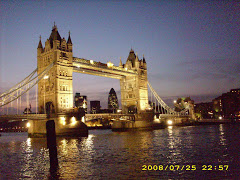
<point x="142" y="120"/>
<point x="65" y="124"/>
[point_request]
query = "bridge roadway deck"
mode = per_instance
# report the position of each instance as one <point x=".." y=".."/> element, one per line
<point x="23" y="117"/>
<point x="172" y="116"/>
<point x="124" y="117"/>
<point x="100" y="69"/>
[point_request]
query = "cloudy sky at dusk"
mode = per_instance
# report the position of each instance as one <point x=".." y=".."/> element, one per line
<point x="191" y="48"/>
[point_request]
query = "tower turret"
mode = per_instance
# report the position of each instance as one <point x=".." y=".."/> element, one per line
<point x="144" y="62"/>
<point x="136" y="62"/>
<point x="131" y="57"/>
<point x="55" y="38"/>
<point x="40" y="47"/>
<point x="56" y="88"/>
<point x="69" y="42"/>
<point x="120" y="63"/>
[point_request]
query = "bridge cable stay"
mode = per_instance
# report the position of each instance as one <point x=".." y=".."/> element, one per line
<point x="21" y="83"/>
<point x="24" y="86"/>
<point x="164" y="106"/>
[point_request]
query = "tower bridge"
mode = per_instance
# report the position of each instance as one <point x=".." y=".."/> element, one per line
<point x="54" y="92"/>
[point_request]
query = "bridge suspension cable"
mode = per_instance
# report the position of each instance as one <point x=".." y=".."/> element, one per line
<point x="24" y="86"/>
<point x="164" y="107"/>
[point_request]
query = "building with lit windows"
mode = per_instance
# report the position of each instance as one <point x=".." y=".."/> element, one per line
<point x="113" y="101"/>
<point x="226" y="106"/>
<point x="81" y="102"/>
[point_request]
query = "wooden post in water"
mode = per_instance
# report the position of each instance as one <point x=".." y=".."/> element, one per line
<point x="52" y="145"/>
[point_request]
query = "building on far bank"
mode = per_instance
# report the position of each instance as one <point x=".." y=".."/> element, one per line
<point x="204" y="110"/>
<point x="95" y="107"/>
<point x="226" y="106"/>
<point x="81" y="102"/>
<point x="112" y="101"/>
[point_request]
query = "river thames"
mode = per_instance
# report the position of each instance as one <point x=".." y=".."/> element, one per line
<point x="191" y="152"/>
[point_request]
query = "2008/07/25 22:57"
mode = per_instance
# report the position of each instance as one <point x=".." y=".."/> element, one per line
<point x="184" y="167"/>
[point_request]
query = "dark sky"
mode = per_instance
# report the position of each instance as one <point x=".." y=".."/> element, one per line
<point x="191" y="47"/>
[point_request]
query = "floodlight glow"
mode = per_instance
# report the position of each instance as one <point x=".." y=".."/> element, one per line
<point x="46" y="77"/>
<point x="73" y="120"/>
<point x="63" y="120"/>
<point x="109" y="64"/>
<point x="28" y="125"/>
<point x="169" y="122"/>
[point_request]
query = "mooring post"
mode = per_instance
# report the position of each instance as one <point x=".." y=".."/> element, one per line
<point x="52" y="145"/>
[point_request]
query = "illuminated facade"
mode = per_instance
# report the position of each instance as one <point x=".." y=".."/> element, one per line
<point x="55" y="92"/>
<point x="134" y="90"/>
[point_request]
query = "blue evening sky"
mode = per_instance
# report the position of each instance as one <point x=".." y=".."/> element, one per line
<point x="191" y="47"/>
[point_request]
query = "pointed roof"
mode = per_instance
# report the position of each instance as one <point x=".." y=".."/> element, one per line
<point x="69" y="41"/>
<point x="112" y="91"/>
<point x="144" y="61"/>
<point x="136" y="59"/>
<point x="131" y="56"/>
<point x="40" y="43"/>
<point x="120" y="63"/>
<point x="54" y="35"/>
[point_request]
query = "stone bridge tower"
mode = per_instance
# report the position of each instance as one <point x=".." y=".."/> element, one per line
<point x="55" y="92"/>
<point x="134" y="90"/>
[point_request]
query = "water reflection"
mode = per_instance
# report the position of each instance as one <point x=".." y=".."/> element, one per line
<point x="174" y="146"/>
<point x="222" y="135"/>
<point x="111" y="155"/>
<point x="31" y="162"/>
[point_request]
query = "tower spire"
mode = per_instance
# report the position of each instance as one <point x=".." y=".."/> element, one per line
<point x="69" y="41"/>
<point x="40" y="43"/>
<point x="120" y="63"/>
<point x="144" y="61"/>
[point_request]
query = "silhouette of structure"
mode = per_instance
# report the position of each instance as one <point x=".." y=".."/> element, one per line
<point x="95" y="107"/>
<point x="81" y="102"/>
<point x="113" y="101"/>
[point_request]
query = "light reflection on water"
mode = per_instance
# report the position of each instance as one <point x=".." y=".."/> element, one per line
<point x="120" y="155"/>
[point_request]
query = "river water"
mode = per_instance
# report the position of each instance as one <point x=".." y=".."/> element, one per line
<point x="192" y="152"/>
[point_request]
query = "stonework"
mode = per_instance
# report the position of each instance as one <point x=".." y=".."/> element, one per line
<point x="55" y="93"/>
<point x="134" y="91"/>
<point x="56" y="88"/>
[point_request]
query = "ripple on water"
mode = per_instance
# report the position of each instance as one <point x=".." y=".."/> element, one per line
<point x="121" y="155"/>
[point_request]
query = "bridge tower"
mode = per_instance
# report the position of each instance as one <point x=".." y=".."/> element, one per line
<point x="55" y="92"/>
<point x="134" y="90"/>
